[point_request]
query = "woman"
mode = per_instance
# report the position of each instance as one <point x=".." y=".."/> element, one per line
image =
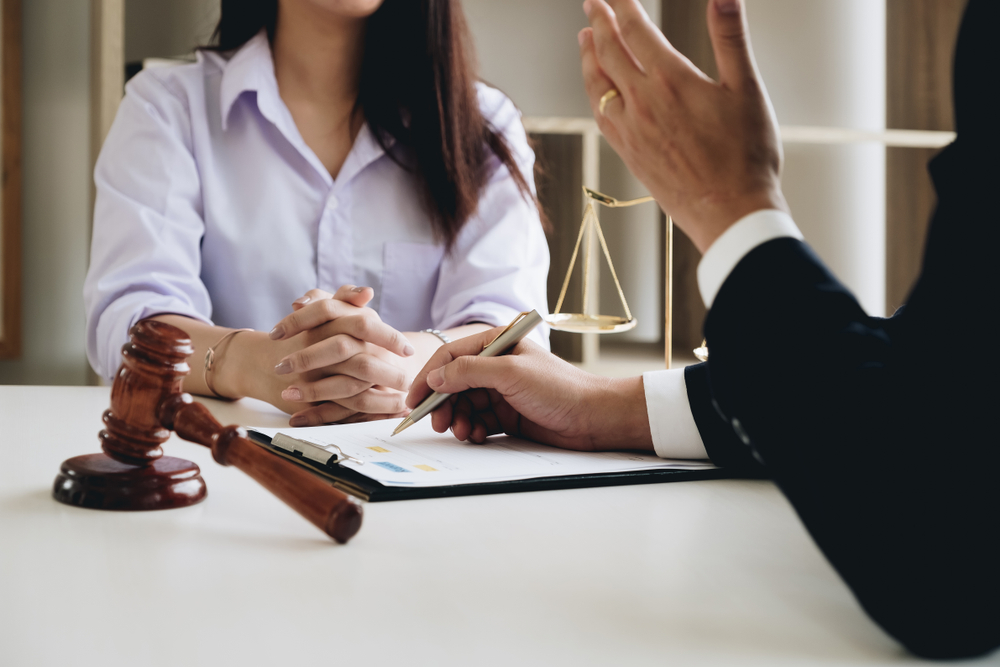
<point x="322" y="144"/>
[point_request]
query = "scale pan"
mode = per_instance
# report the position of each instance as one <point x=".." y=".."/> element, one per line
<point x="599" y="324"/>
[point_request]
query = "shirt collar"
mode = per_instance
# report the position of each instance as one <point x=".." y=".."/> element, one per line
<point x="365" y="150"/>
<point x="251" y="68"/>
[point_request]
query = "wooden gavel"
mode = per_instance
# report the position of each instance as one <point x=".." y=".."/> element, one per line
<point x="147" y="402"/>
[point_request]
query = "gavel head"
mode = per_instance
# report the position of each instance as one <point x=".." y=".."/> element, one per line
<point x="153" y="369"/>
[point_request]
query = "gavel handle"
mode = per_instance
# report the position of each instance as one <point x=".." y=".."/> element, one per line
<point x="332" y="511"/>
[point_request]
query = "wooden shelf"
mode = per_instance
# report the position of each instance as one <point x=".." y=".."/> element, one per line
<point x="792" y="134"/>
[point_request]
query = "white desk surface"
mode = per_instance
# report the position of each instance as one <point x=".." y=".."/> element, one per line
<point x="694" y="573"/>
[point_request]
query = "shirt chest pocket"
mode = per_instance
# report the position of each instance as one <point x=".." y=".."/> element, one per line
<point x="409" y="281"/>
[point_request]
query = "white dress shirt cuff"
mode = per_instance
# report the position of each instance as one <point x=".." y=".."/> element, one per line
<point x="736" y="242"/>
<point x="675" y="434"/>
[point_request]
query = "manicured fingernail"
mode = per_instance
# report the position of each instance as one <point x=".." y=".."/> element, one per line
<point x="579" y="37"/>
<point x="358" y="290"/>
<point x="292" y="394"/>
<point x="298" y="421"/>
<point x="408" y="351"/>
<point x="284" y="367"/>
<point x="302" y="300"/>
<point x="277" y="332"/>
<point x="727" y="6"/>
<point x="436" y="377"/>
<point x="586" y="6"/>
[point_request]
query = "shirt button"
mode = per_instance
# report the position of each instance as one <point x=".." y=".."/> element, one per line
<point x="718" y="410"/>
<point x="332" y="203"/>
<point x="741" y="432"/>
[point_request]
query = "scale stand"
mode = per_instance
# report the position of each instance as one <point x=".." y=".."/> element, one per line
<point x="587" y="322"/>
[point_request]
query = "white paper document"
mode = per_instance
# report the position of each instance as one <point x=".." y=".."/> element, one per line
<point x="419" y="457"/>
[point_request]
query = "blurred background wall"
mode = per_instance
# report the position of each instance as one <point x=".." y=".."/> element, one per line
<point x="56" y="192"/>
<point x="824" y="65"/>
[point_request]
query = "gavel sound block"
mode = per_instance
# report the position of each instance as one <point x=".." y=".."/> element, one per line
<point x="147" y="403"/>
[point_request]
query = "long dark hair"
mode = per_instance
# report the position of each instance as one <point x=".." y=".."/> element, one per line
<point x="417" y="87"/>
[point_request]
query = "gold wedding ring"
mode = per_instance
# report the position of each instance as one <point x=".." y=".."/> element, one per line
<point x="606" y="97"/>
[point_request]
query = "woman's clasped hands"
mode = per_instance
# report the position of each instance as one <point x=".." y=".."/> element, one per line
<point x="340" y="362"/>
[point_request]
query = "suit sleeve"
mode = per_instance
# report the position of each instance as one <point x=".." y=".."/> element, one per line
<point x="722" y="445"/>
<point x="888" y="470"/>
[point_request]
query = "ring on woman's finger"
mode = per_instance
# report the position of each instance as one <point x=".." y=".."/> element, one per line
<point x="607" y="97"/>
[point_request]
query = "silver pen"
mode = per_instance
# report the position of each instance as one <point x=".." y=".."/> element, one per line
<point x="505" y="342"/>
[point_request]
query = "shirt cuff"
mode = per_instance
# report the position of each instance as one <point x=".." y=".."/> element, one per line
<point x="736" y="242"/>
<point x="675" y="433"/>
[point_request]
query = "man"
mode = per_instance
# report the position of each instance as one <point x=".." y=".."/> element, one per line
<point x="880" y="431"/>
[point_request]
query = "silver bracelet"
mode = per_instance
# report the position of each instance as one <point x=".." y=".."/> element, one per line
<point x="439" y="334"/>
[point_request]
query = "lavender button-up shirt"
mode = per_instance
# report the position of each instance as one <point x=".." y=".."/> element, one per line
<point x="210" y="205"/>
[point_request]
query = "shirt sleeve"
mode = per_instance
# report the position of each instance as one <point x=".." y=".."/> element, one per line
<point x="749" y="232"/>
<point x="499" y="264"/>
<point x="145" y="254"/>
<point x="671" y="423"/>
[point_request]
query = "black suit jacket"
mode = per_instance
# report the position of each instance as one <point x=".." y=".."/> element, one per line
<point x="883" y="433"/>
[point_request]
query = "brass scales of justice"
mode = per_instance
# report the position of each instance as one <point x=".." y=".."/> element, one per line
<point x="589" y="323"/>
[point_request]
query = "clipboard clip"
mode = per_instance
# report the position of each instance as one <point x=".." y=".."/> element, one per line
<point x="324" y="454"/>
<point x="517" y="319"/>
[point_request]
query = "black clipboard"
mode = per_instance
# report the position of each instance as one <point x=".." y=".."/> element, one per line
<point x="365" y="488"/>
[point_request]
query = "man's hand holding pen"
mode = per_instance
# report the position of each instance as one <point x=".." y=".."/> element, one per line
<point x="532" y="394"/>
